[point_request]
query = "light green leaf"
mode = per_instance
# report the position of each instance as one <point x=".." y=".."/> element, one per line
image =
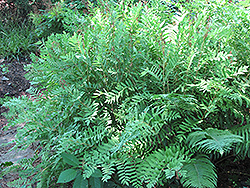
<point x="70" y="159"/>
<point x="67" y="176"/>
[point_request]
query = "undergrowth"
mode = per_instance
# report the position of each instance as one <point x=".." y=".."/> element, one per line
<point x="16" y="39"/>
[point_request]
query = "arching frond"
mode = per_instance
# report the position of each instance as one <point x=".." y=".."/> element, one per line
<point x="200" y="173"/>
<point x="213" y="140"/>
<point x="242" y="150"/>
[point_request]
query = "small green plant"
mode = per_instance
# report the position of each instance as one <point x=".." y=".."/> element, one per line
<point x="76" y="174"/>
<point x="5" y="99"/>
<point x="58" y="19"/>
<point x="4" y="69"/>
<point x="16" y="39"/>
<point x="138" y="96"/>
<point x="51" y="21"/>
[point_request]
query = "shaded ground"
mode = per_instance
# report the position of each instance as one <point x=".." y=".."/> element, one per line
<point x="12" y="83"/>
<point x="233" y="174"/>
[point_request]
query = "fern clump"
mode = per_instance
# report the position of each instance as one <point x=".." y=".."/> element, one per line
<point x="137" y="97"/>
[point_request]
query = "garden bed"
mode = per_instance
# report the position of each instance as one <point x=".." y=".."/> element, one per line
<point x="122" y="100"/>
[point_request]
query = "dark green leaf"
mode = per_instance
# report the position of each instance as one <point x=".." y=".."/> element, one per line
<point x="97" y="174"/>
<point x="95" y="182"/>
<point x="80" y="182"/>
<point x="70" y="159"/>
<point x="110" y="184"/>
<point x="6" y="164"/>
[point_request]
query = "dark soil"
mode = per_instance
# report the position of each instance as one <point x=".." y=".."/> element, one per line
<point x="12" y="83"/>
<point x="233" y="174"/>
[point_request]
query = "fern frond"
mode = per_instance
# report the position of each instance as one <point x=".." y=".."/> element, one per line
<point x="161" y="164"/>
<point x="128" y="170"/>
<point x="242" y="150"/>
<point x="186" y="127"/>
<point x="213" y="140"/>
<point x="200" y="173"/>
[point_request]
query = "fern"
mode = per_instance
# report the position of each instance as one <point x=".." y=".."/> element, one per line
<point x="163" y="165"/>
<point x="213" y="140"/>
<point x="241" y="150"/>
<point x="138" y="93"/>
<point x="200" y="173"/>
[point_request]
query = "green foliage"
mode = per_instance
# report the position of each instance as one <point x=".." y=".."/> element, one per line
<point x="162" y="165"/>
<point x="241" y="43"/>
<point x="137" y="96"/>
<point x="58" y="19"/>
<point x="213" y="140"/>
<point x="79" y="179"/>
<point x="81" y="6"/>
<point x="244" y="3"/>
<point x="242" y="149"/>
<point x="51" y="21"/>
<point x="16" y="39"/>
<point x="67" y="176"/>
<point x="70" y="159"/>
<point x="4" y="69"/>
<point x="5" y="99"/>
<point x="80" y="182"/>
<point x="201" y="173"/>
